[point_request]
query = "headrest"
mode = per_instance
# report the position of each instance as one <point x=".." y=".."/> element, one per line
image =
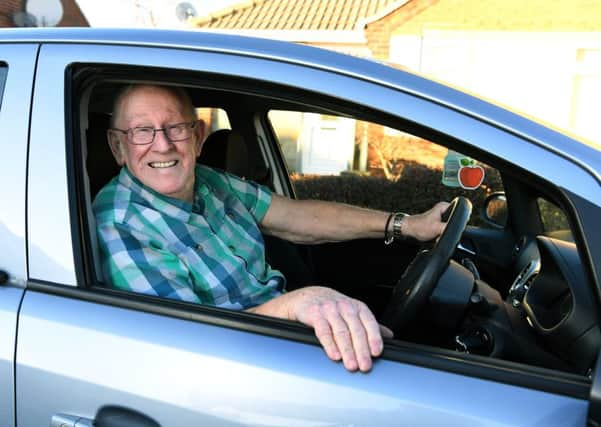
<point x="226" y="149"/>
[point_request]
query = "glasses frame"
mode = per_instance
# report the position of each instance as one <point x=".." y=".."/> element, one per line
<point x="129" y="133"/>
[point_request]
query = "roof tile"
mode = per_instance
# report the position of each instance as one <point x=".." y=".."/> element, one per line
<point x="295" y="14"/>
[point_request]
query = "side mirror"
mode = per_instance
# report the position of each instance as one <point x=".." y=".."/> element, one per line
<point x="494" y="212"/>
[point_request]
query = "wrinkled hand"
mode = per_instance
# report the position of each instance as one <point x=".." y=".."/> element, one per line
<point x="427" y="225"/>
<point x="344" y="326"/>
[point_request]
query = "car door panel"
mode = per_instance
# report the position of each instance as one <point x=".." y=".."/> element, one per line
<point x="76" y="356"/>
<point x="10" y="299"/>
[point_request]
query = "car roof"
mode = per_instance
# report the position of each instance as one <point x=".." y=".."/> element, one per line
<point x="365" y="69"/>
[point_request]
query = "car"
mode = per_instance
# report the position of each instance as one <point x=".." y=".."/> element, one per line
<point x="497" y="323"/>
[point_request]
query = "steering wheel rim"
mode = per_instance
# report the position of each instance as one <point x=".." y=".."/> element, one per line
<point x="421" y="275"/>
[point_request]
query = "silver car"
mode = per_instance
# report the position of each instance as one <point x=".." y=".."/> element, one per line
<point x="504" y="330"/>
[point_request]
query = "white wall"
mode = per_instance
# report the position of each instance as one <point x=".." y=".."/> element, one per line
<point x="553" y="76"/>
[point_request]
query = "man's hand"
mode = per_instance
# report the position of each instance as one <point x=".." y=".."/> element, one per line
<point x="428" y="225"/>
<point x="345" y="327"/>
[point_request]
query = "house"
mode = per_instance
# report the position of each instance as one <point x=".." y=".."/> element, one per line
<point x="542" y="57"/>
<point x="16" y="13"/>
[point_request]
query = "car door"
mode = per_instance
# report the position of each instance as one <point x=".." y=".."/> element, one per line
<point x="17" y="65"/>
<point x="84" y="350"/>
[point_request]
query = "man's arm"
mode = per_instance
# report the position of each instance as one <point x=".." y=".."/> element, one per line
<point x="345" y="327"/>
<point x="314" y="221"/>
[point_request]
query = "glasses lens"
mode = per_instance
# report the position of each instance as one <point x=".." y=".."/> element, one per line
<point x="142" y="135"/>
<point x="179" y="131"/>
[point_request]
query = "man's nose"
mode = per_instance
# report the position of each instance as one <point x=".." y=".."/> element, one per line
<point x="161" y="142"/>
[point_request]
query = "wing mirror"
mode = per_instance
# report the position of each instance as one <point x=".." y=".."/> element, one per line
<point x="494" y="212"/>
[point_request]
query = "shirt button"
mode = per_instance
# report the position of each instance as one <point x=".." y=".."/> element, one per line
<point x="198" y="247"/>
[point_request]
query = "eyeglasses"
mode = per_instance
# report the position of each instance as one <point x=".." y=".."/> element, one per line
<point x="144" y="135"/>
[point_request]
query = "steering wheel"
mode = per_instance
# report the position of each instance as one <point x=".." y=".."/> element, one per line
<point x="421" y="276"/>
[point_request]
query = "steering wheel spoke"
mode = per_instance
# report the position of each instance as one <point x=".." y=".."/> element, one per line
<point x="421" y="276"/>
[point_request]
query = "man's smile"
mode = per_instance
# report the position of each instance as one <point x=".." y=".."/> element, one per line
<point x="163" y="165"/>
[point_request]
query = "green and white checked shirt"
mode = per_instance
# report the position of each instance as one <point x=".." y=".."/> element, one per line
<point x="210" y="252"/>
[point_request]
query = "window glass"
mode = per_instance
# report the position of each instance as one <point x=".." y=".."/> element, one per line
<point x="367" y="164"/>
<point x="554" y="219"/>
<point x="214" y="118"/>
<point x="3" y="71"/>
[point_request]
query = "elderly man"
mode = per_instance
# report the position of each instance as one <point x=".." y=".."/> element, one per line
<point x="172" y="228"/>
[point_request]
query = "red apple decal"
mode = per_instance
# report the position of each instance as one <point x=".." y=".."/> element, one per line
<point x="470" y="174"/>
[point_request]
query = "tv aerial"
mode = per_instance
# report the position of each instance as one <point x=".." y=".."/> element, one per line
<point x="39" y="13"/>
<point x="185" y="10"/>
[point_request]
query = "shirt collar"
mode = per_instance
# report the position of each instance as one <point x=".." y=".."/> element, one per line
<point x="169" y="206"/>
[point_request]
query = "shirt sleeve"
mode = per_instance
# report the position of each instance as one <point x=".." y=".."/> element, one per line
<point x="255" y="197"/>
<point x="132" y="263"/>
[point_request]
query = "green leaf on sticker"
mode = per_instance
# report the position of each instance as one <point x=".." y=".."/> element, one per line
<point x="465" y="161"/>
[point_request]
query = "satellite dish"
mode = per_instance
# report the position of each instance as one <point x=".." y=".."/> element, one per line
<point x="47" y="13"/>
<point x="185" y="10"/>
<point x="24" y="19"/>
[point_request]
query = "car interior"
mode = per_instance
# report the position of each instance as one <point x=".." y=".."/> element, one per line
<point x="515" y="290"/>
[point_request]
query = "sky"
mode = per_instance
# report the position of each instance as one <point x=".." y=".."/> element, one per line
<point x="136" y="13"/>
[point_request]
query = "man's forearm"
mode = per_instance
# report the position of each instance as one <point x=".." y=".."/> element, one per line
<point x="315" y="221"/>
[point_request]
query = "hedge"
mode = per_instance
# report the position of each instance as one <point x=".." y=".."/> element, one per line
<point x="417" y="190"/>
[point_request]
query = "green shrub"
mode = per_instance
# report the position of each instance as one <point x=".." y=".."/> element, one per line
<point x="418" y="189"/>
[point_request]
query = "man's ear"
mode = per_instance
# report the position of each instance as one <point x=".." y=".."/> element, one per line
<point x="116" y="148"/>
<point x="200" y="132"/>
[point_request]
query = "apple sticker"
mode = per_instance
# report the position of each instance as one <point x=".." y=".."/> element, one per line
<point x="470" y="174"/>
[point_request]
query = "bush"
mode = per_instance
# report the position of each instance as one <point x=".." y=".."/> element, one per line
<point x="418" y="189"/>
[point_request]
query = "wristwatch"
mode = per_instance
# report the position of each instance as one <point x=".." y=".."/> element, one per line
<point x="397" y="225"/>
<point x="397" y="219"/>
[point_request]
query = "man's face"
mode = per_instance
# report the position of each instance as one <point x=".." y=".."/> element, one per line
<point x="166" y="167"/>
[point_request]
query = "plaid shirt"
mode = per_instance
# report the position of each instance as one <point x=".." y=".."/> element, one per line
<point x="210" y="252"/>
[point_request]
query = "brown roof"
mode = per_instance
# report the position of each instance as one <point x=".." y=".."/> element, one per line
<point x="297" y="14"/>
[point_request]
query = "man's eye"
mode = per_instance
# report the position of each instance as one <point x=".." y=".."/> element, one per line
<point x="176" y="128"/>
<point x="143" y="131"/>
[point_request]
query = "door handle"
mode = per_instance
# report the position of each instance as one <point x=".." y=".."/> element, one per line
<point x="107" y="416"/>
<point x="65" y="420"/>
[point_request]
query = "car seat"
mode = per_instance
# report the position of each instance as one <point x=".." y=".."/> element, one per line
<point x="226" y="149"/>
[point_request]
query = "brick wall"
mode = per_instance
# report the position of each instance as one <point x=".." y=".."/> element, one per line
<point x="378" y="33"/>
<point x="72" y="15"/>
<point x="7" y="8"/>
